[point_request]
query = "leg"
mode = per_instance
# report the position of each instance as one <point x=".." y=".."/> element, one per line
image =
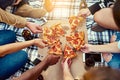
<point x="104" y="18"/>
<point x="7" y="36"/>
<point x="11" y="63"/>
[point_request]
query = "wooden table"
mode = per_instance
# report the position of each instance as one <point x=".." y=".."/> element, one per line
<point x="77" y="68"/>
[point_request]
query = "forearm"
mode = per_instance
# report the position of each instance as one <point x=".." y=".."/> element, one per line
<point x="13" y="47"/>
<point x="34" y="73"/>
<point x="12" y="19"/>
<point x="67" y="75"/>
<point x="112" y="47"/>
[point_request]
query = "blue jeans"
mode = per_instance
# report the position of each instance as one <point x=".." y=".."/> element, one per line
<point x="115" y="61"/>
<point x="10" y="63"/>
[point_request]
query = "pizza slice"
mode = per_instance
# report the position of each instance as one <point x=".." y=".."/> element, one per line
<point x="47" y="31"/>
<point x="82" y="35"/>
<point x="56" y="48"/>
<point x="50" y="39"/>
<point x="57" y="30"/>
<point x="75" y="21"/>
<point x="49" y="36"/>
<point x="76" y="40"/>
<point x="68" y="52"/>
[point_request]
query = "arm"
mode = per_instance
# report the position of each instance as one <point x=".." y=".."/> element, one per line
<point x="66" y="70"/>
<point x="18" y="21"/>
<point x="35" y="72"/>
<point x="95" y="7"/>
<point x="12" y="19"/>
<point x="111" y="47"/>
<point x="13" y="47"/>
<point x="67" y="74"/>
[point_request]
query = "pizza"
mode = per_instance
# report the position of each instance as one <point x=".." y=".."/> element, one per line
<point x="69" y="53"/>
<point x="75" y="22"/>
<point x="57" y="29"/>
<point x="76" y="40"/>
<point x="48" y="36"/>
<point x="52" y="34"/>
<point x="56" y="48"/>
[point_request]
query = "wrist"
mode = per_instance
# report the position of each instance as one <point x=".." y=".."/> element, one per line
<point x="66" y="68"/>
<point x="27" y="24"/>
<point x="46" y="63"/>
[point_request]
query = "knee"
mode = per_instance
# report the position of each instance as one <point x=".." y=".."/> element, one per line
<point x="7" y="36"/>
<point x="22" y="56"/>
<point x="11" y="34"/>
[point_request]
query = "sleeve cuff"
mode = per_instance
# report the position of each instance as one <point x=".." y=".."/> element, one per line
<point x="95" y="7"/>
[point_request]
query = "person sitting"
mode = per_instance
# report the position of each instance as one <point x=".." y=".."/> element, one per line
<point x="12" y="57"/>
<point x="107" y="18"/>
<point x="23" y="10"/>
<point x="96" y="73"/>
<point x="113" y="60"/>
<point x="35" y="72"/>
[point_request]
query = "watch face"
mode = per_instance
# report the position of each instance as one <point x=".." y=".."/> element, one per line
<point x="26" y="34"/>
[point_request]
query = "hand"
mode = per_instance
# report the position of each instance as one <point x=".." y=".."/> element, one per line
<point x="84" y="12"/>
<point x="85" y="48"/>
<point x="35" y="28"/>
<point x="17" y="2"/>
<point x="66" y="63"/>
<point x="40" y="43"/>
<point x="52" y="59"/>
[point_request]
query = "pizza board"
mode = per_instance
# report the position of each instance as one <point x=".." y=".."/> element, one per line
<point x="77" y="68"/>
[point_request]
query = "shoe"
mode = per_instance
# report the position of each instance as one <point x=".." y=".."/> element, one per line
<point x="97" y="28"/>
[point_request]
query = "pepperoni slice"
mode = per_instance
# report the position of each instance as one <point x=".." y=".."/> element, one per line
<point x="65" y="52"/>
<point x="68" y="48"/>
<point x="68" y="38"/>
<point x="76" y="21"/>
<point x="75" y="42"/>
<point x="76" y="35"/>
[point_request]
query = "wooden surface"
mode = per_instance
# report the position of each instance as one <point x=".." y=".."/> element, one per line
<point x="77" y="68"/>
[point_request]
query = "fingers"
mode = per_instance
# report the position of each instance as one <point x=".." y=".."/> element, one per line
<point x="39" y="29"/>
<point x="45" y="42"/>
<point x="17" y="2"/>
<point x="42" y="45"/>
<point x="83" y="47"/>
<point x="56" y="58"/>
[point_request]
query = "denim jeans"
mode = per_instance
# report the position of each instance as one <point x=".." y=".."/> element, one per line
<point x="115" y="61"/>
<point x="10" y="63"/>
